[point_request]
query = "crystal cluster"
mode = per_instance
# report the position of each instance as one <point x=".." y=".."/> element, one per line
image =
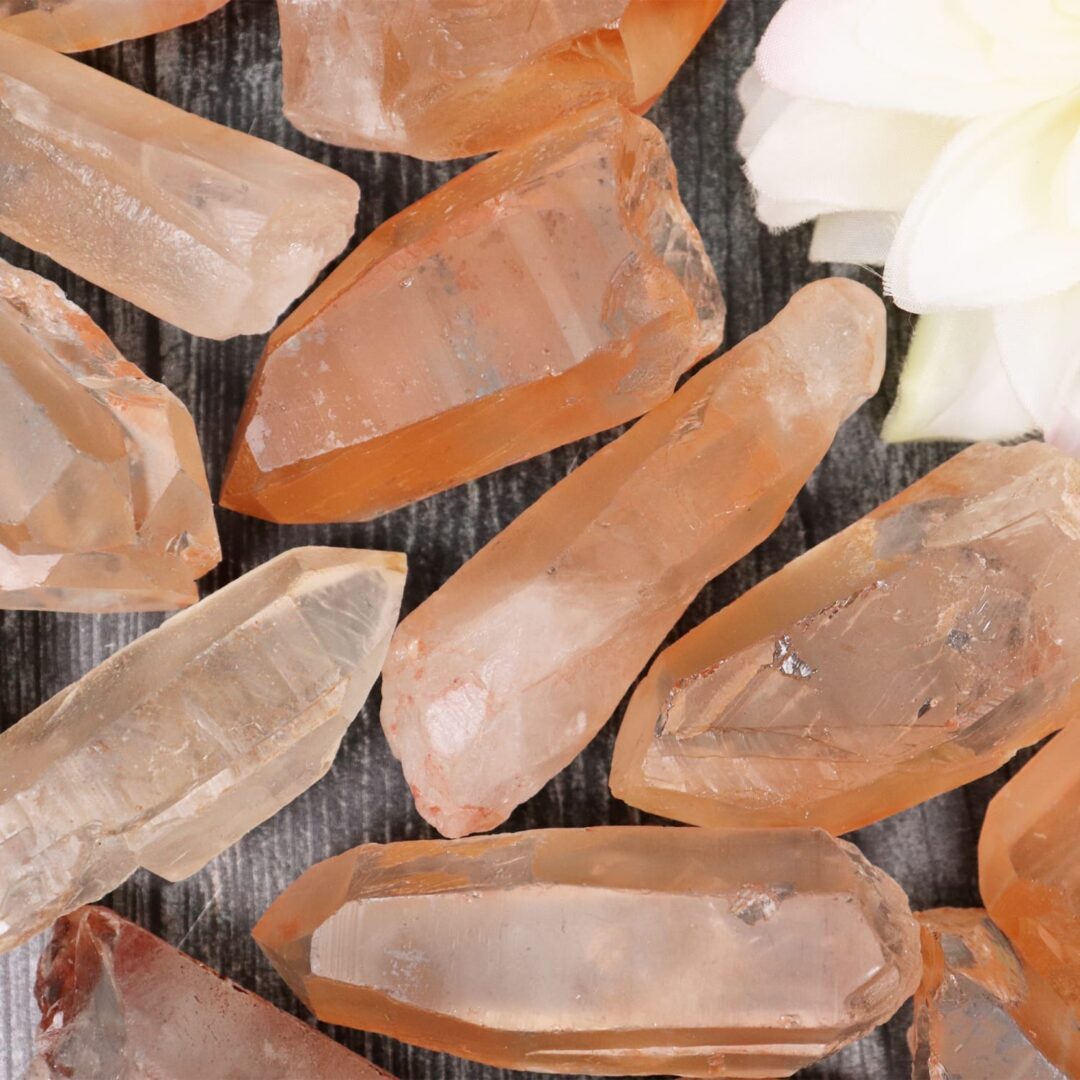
<point x="74" y="25"/>
<point x="501" y="677"/>
<point x="440" y="79"/>
<point x="118" y="1002"/>
<point x="909" y="654"/>
<point x="183" y="741"/>
<point x="207" y="228"/>
<point x="610" y="951"/>
<point x="104" y="504"/>
<point x="562" y="279"/>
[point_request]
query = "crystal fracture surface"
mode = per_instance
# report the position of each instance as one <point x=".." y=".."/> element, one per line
<point x="210" y="229"/>
<point x="104" y="504"/>
<point x="1029" y="867"/>
<point x="554" y="290"/>
<point x="979" y="1013"/>
<point x="497" y="681"/>
<point x="177" y="745"/>
<point x="911" y="653"/>
<point x="452" y="78"/>
<point x="118" y="1002"/>
<point x="619" y="951"/>
<point x="74" y="25"/>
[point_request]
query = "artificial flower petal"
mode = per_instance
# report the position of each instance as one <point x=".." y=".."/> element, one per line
<point x="954" y="384"/>
<point x="862" y="239"/>
<point x="1042" y="34"/>
<point x="761" y="106"/>
<point x="991" y="224"/>
<point x="925" y="56"/>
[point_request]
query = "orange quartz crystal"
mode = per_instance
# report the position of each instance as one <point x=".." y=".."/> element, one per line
<point x="555" y="290"/>
<point x="1029" y="866"/>
<point x="499" y="679"/>
<point x="452" y="78"/>
<point x="916" y="650"/>
<point x="608" y="951"/>
<point x="74" y="25"/>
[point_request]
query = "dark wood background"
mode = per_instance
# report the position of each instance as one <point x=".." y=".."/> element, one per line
<point x="228" y="68"/>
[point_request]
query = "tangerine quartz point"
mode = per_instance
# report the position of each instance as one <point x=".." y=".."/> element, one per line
<point x="501" y="677"/>
<point x="911" y="653"/>
<point x="1029" y="872"/>
<point x="177" y="745"/>
<point x="608" y="951"/>
<point x="552" y="291"/>
<point x="116" y="1001"/>
<point x="74" y="25"/>
<point x="104" y="504"/>
<point x="980" y="1013"/>
<point x="207" y="228"/>
<point x="438" y="79"/>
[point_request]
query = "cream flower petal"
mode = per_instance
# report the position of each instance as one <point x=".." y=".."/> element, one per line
<point x="1039" y="35"/>
<point x="862" y="239"/>
<point x="991" y="225"/>
<point x="762" y="105"/>
<point x="954" y="384"/>
<point x="925" y="56"/>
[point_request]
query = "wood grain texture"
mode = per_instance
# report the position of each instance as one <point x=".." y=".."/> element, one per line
<point x="228" y="68"/>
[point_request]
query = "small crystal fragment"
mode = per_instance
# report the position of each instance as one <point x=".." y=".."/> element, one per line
<point x="909" y="654"/>
<point x="552" y="291"/>
<point x="452" y="78"/>
<point x="979" y="1013"/>
<point x="609" y="951"/>
<point x="74" y="25"/>
<point x="497" y="681"/>
<point x="177" y="745"/>
<point x="104" y="504"/>
<point x="1029" y="870"/>
<point x="118" y="1002"/>
<point x="210" y="229"/>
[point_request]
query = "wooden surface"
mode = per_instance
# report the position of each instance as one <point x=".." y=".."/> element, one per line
<point x="228" y="68"/>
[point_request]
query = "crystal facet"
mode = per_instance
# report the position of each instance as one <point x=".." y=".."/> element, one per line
<point x="979" y="1014"/>
<point x="118" y="1002"/>
<point x="909" y="654"/>
<point x="1029" y="868"/>
<point x="498" y="680"/>
<point x="452" y="78"/>
<point x="210" y="229"/>
<point x="104" y="504"/>
<point x="552" y="291"/>
<point x="74" y="25"/>
<point x="612" y="950"/>
<point x="183" y="741"/>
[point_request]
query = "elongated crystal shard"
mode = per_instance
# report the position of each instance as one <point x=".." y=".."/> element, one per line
<point x="609" y="951"/>
<point x="909" y="654"/>
<point x="500" y="678"/>
<point x="554" y="290"/>
<point x="104" y="504"/>
<point x="980" y="1013"/>
<point x="207" y="228"/>
<point x="118" y="1002"/>
<point x="74" y="25"/>
<point x="180" y="743"/>
<point x="1029" y="872"/>
<point x="452" y="78"/>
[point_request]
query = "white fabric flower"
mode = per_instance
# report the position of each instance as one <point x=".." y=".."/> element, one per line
<point x="941" y="140"/>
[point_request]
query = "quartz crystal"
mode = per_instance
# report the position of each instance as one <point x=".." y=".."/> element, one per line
<point x="551" y="291"/>
<point x="1029" y="869"/>
<point x="74" y="25"/>
<point x="979" y="1014"/>
<point x="104" y="504"/>
<point x="451" y="78"/>
<point x="915" y="651"/>
<point x="117" y="1002"/>
<point x="208" y="228"/>
<point x="498" y="680"/>
<point x="180" y="743"/>
<point x="611" y="951"/>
